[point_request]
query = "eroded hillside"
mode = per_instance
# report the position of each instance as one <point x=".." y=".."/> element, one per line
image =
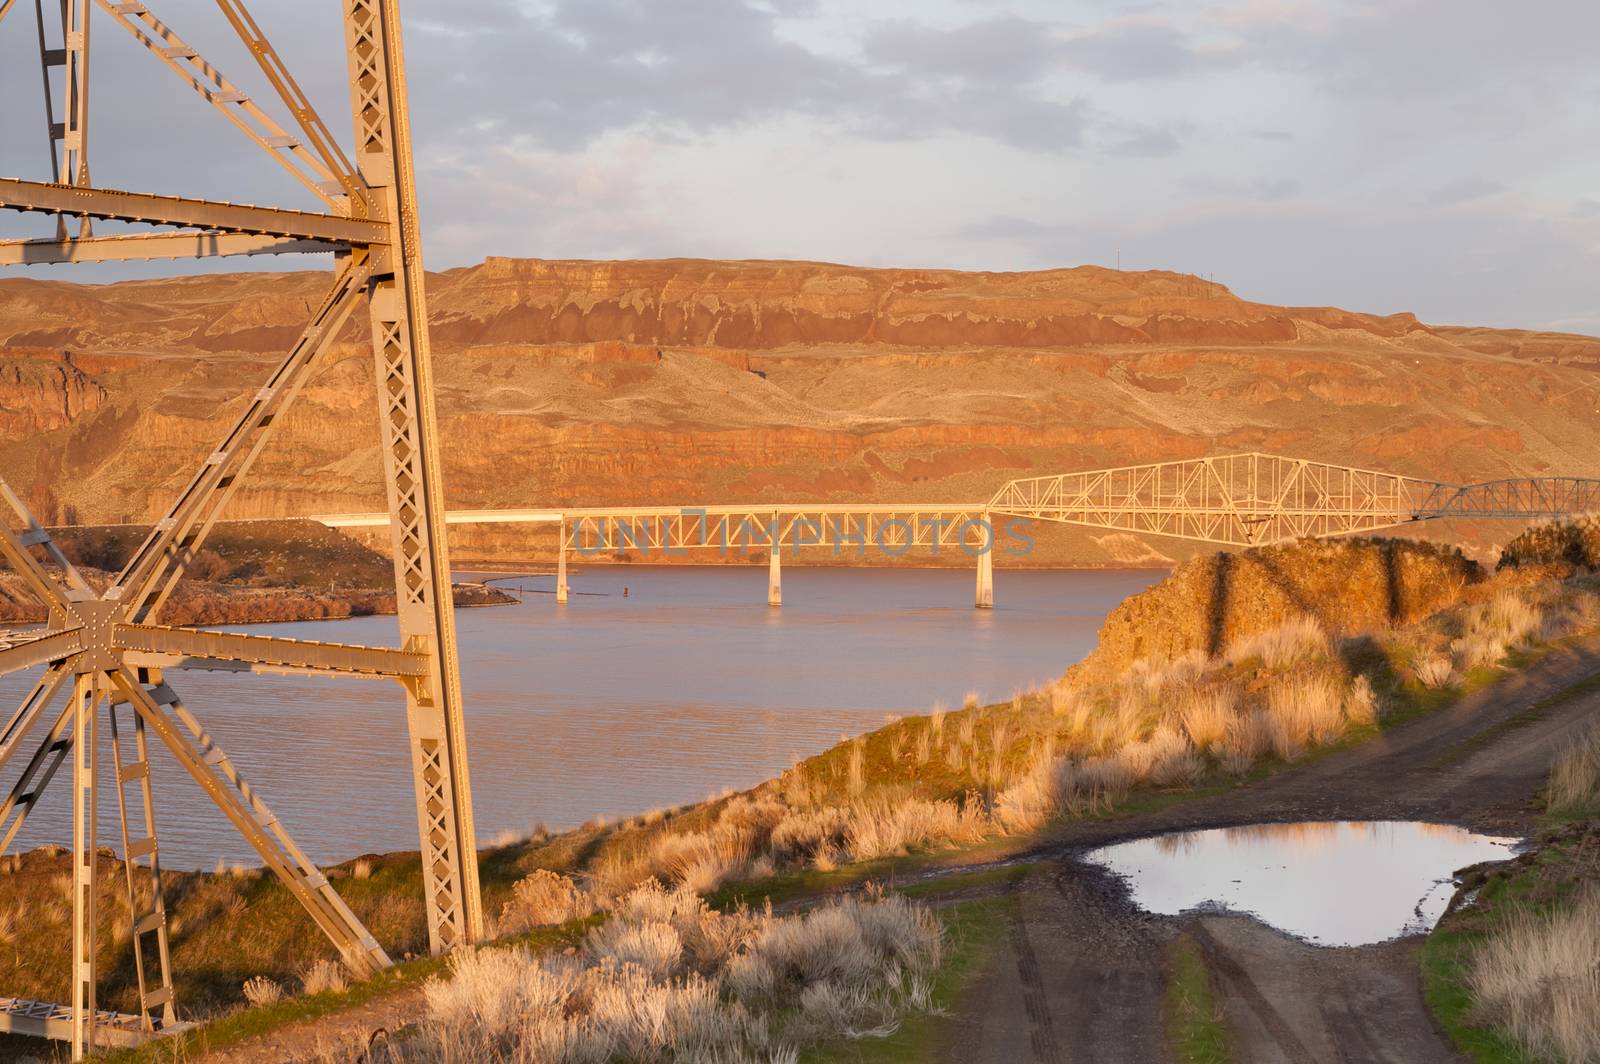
<point x="681" y="381"/>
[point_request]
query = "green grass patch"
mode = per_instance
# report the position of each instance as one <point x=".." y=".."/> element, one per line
<point x="1541" y="883"/>
<point x="1445" y="957"/>
<point x="1191" y="1014"/>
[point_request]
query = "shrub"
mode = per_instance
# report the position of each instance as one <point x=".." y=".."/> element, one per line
<point x="767" y="986"/>
<point x="262" y="991"/>
<point x="544" y="897"/>
<point x="652" y="945"/>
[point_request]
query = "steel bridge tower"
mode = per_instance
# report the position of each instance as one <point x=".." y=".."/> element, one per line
<point x="104" y="649"/>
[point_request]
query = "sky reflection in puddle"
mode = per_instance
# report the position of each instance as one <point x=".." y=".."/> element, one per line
<point x="1333" y="883"/>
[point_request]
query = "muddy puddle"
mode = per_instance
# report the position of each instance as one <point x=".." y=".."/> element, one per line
<point x="1332" y="883"/>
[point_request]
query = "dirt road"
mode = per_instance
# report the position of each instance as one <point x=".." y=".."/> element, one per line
<point x="1083" y="973"/>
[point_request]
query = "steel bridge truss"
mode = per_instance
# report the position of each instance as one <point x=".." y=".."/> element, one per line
<point x="889" y="528"/>
<point x="103" y="649"/>
<point x="1251" y="499"/>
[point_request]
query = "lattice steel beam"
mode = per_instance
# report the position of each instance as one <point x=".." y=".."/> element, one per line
<point x="151" y="574"/>
<point x="1248" y="499"/>
<point x="214" y="87"/>
<point x="398" y="309"/>
<point x="165" y="715"/>
<point x="145" y="246"/>
<point x="185" y="648"/>
<point x="317" y="136"/>
<point x="17" y="653"/>
<point x="185" y="213"/>
<point x="674" y="530"/>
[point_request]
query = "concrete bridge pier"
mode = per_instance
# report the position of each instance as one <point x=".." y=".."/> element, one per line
<point x="775" y="576"/>
<point x="985" y="598"/>
<point x="561" y="564"/>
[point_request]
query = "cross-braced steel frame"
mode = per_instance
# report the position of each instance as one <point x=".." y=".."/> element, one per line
<point x="104" y="649"/>
<point x="1252" y="499"/>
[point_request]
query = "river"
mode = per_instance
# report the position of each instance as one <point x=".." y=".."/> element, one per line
<point x="612" y="704"/>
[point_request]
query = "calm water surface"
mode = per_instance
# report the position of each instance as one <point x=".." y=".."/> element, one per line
<point x="612" y="705"/>
<point x="1332" y="883"/>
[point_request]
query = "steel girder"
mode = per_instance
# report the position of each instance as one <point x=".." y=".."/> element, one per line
<point x="105" y="644"/>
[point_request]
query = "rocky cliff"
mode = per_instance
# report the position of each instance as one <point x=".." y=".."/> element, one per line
<point x="682" y="381"/>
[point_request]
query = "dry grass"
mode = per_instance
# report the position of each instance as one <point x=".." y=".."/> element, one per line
<point x="324" y="975"/>
<point x="1436" y="672"/>
<point x="890" y="828"/>
<point x="1283" y="647"/>
<point x="1304" y="711"/>
<point x="1206" y="715"/>
<point x="1575" y="777"/>
<point x="1537" y="978"/>
<point x="1361" y="704"/>
<point x="1249" y="738"/>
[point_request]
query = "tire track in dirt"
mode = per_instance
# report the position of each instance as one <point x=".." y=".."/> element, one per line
<point x="1043" y="1036"/>
<point x="1236" y="982"/>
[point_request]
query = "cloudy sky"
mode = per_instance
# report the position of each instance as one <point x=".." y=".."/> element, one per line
<point x="1427" y="155"/>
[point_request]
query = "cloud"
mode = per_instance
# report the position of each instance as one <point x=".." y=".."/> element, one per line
<point x="1007" y="49"/>
<point x="1464" y="190"/>
<point x="1148" y="142"/>
<point x="565" y="75"/>
<point x="1262" y="189"/>
<point x="1140" y="50"/>
<point x="1007" y="227"/>
<point x="1378" y="154"/>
